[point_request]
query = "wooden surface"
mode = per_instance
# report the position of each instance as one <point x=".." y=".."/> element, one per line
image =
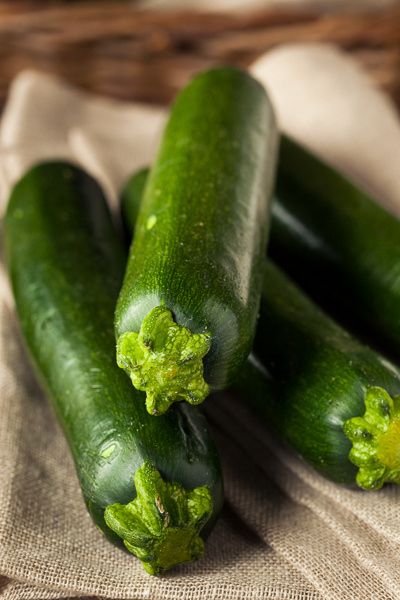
<point x="114" y="49"/>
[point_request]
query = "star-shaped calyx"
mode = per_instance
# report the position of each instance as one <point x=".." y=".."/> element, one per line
<point x="375" y="439"/>
<point x="165" y="360"/>
<point x="161" y="525"/>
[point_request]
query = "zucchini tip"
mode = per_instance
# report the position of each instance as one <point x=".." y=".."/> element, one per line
<point x="375" y="439"/>
<point x="161" y="525"/>
<point x="165" y="360"/>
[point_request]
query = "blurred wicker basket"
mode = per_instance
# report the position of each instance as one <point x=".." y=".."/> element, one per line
<point x="121" y="51"/>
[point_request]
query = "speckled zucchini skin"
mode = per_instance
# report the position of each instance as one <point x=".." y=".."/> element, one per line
<point x="320" y="376"/>
<point x="306" y="376"/>
<point x="66" y="266"/>
<point x="339" y="244"/>
<point x="201" y="234"/>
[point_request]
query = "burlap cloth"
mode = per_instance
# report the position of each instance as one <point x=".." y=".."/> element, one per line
<point x="285" y="533"/>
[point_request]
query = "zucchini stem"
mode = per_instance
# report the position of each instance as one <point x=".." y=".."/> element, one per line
<point x="161" y="525"/>
<point x="375" y="440"/>
<point x="165" y="360"/>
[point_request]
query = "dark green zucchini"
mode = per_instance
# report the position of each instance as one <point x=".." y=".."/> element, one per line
<point x="334" y="400"/>
<point x="339" y="244"/>
<point x="337" y="402"/>
<point x="66" y="266"/>
<point x="192" y="285"/>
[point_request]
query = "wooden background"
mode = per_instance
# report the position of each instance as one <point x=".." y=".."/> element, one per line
<point x="115" y="49"/>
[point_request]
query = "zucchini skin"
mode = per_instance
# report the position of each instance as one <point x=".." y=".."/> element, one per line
<point x="66" y="265"/>
<point x="306" y="376"/>
<point x="320" y="372"/>
<point x="202" y="229"/>
<point x="339" y="244"/>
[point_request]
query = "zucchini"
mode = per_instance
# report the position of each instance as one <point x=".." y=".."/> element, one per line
<point x="335" y="401"/>
<point x="339" y="244"/>
<point x="186" y="314"/>
<point x="66" y="266"/>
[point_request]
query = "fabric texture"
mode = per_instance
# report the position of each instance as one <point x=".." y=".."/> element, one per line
<point x="285" y="533"/>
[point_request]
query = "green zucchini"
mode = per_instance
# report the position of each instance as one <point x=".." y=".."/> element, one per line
<point x="339" y="244"/>
<point x="66" y="266"/>
<point x="186" y="314"/>
<point x="335" y="401"/>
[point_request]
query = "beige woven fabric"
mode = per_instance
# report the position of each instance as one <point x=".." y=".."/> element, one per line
<point x="285" y="533"/>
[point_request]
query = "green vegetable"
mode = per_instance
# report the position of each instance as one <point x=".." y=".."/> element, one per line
<point x="340" y="245"/>
<point x="186" y="315"/>
<point x="66" y="266"/>
<point x="334" y="400"/>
